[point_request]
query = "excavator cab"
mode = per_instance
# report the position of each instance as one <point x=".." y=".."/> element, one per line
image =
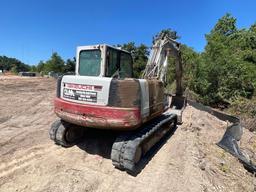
<point x="104" y="61"/>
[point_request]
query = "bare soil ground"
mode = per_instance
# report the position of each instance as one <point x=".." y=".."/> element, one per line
<point x="188" y="160"/>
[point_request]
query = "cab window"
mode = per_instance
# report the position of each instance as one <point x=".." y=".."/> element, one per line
<point x="89" y="62"/>
<point x="125" y="65"/>
<point x="112" y="62"/>
<point x="118" y="63"/>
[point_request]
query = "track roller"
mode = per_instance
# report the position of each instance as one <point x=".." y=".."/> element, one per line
<point x="65" y="134"/>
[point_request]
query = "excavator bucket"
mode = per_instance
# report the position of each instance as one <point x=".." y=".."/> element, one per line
<point x="229" y="143"/>
<point x="231" y="137"/>
<point x="177" y="106"/>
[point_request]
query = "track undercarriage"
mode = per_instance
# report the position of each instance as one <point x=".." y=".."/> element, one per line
<point x="65" y="134"/>
<point x="128" y="148"/>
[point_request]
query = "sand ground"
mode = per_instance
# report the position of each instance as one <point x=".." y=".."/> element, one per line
<point x="189" y="160"/>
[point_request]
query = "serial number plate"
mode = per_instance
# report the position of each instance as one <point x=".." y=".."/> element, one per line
<point x="80" y="95"/>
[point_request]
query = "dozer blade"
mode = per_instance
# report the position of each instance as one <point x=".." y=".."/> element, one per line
<point x="177" y="106"/>
<point x="232" y="135"/>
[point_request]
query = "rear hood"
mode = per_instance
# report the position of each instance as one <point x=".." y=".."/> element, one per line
<point x="85" y="90"/>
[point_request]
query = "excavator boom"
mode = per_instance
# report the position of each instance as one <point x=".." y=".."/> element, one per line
<point x="157" y="65"/>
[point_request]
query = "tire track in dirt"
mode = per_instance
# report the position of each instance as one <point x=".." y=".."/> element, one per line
<point x="32" y="156"/>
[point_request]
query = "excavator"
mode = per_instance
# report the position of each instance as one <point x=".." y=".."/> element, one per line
<point x="104" y="95"/>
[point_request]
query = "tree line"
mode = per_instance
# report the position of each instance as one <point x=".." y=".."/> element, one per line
<point x="12" y="64"/>
<point x="222" y="74"/>
<point x="226" y="69"/>
<point x="54" y="64"/>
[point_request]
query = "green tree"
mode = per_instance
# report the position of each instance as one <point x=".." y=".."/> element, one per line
<point x="14" y="69"/>
<point x="55" y="64"/>
<point x="7" y="64"/>
<point x="33" y="68"/>
<point x="226" y="66"/>
<point x="70" y="65"/>
<point x="192" y="67"/>
<point x="140" y="56"/>
<point x="40" y="67"/>
<point x="225" y="26"/>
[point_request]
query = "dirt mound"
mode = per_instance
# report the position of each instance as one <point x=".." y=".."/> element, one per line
<point x="189" y="160"/>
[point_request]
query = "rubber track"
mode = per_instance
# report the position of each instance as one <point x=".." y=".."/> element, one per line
<point x="125" y="146"/>
<point x="57" y="132"/>
<point x="53" y="129"/>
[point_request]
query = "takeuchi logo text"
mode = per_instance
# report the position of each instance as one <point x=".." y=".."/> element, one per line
<point x="83" y="87"/>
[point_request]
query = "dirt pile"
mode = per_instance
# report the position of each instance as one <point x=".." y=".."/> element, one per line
<point x="189" y="160"/>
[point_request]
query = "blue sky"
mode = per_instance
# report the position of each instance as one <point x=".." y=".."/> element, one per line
<point x="31" y="30"/>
